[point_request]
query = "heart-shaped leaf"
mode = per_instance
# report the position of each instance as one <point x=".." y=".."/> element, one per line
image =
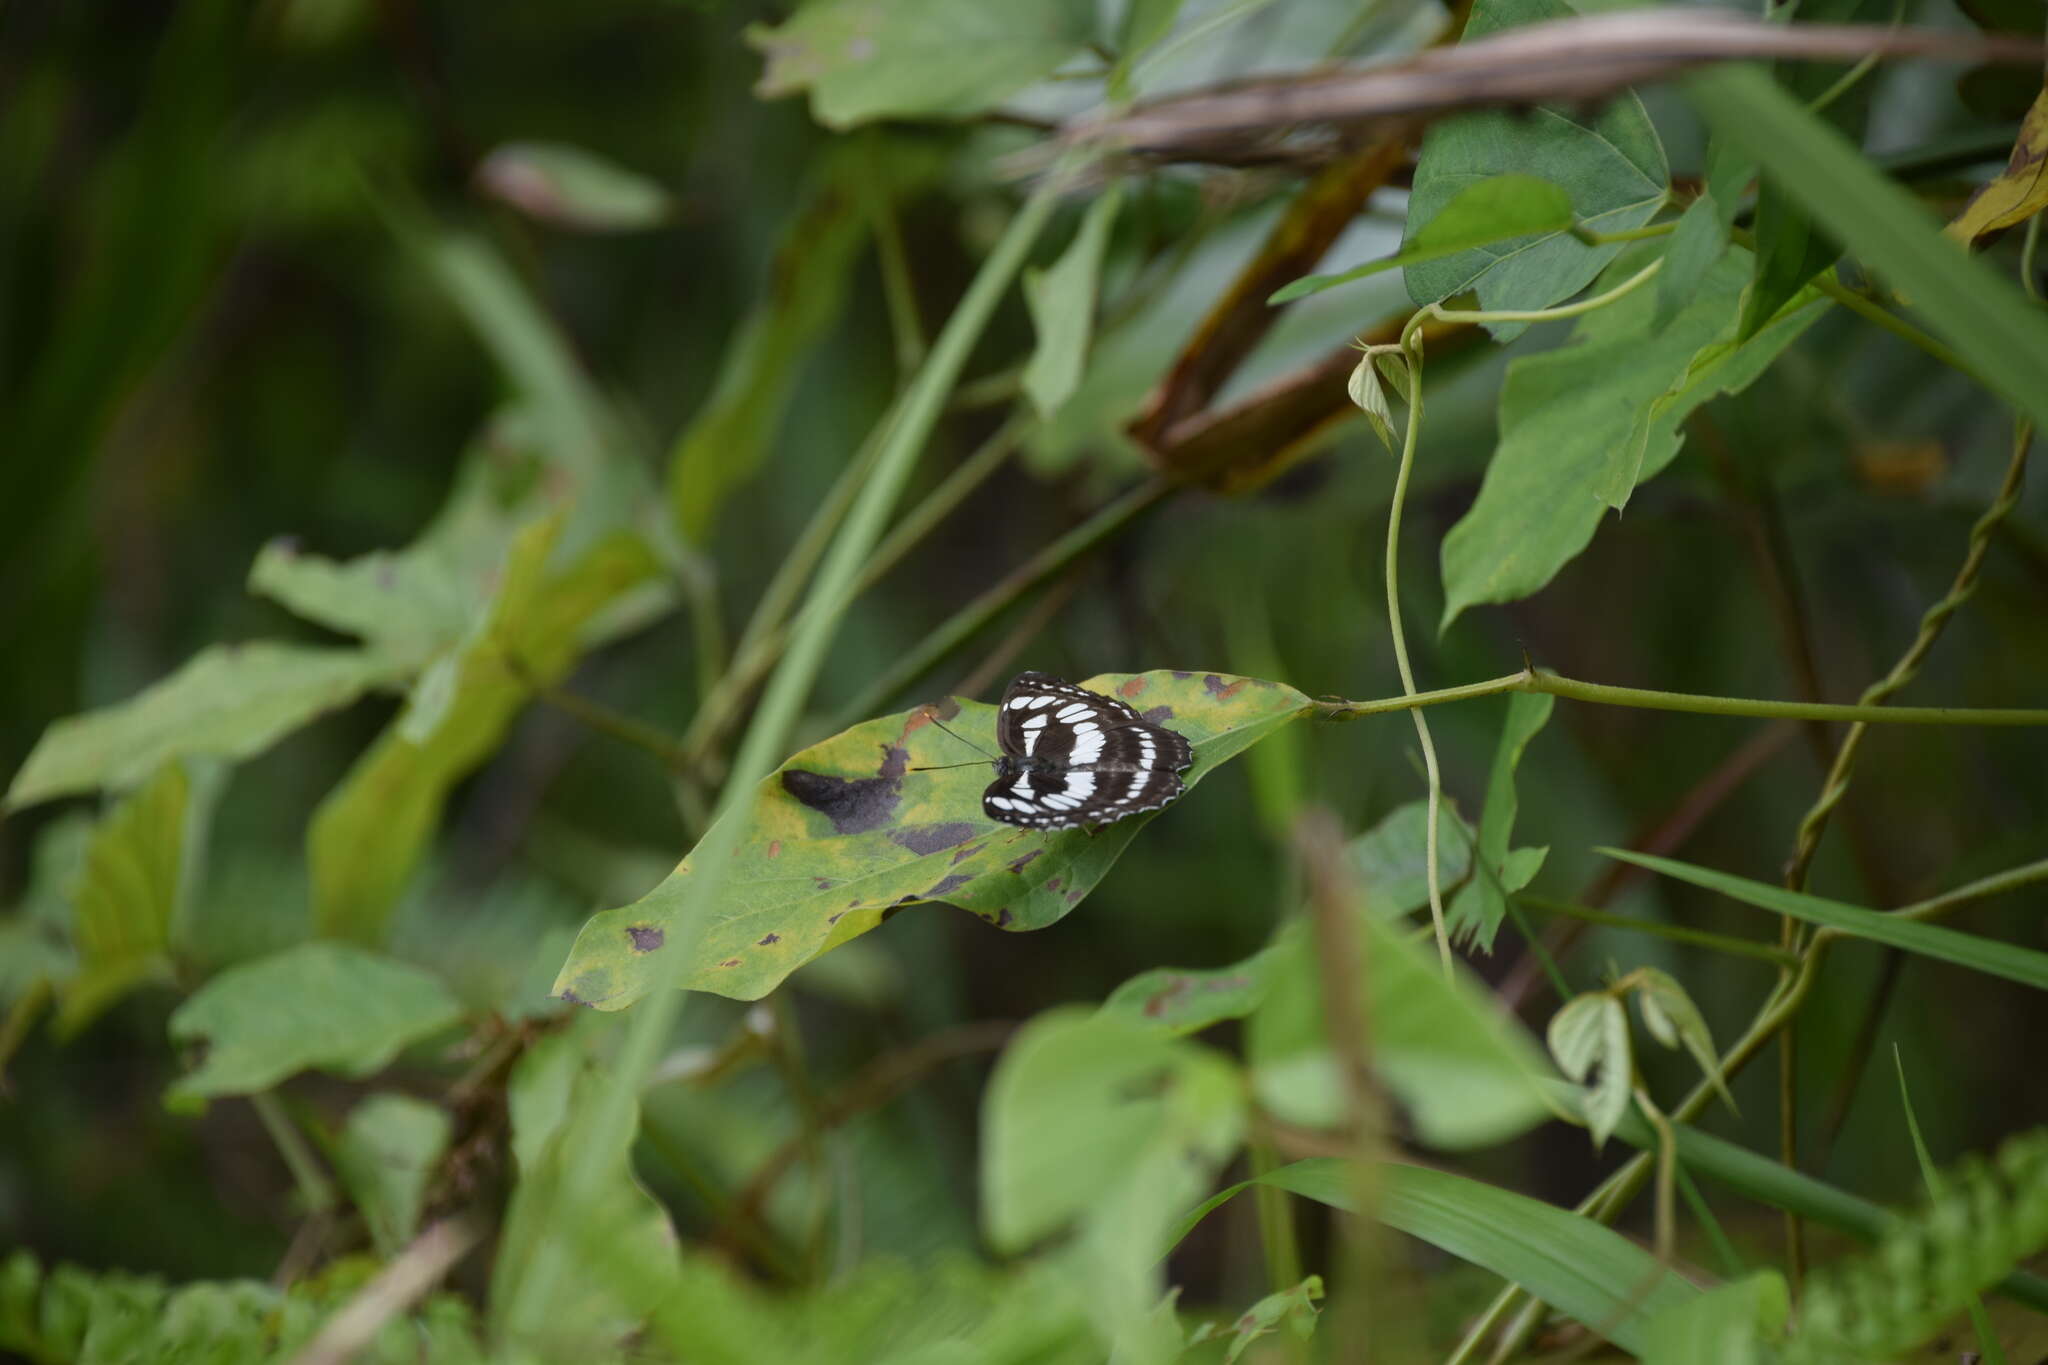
<point x="845" y="833"/>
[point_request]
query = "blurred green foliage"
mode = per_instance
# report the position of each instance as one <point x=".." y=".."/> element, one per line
<point x="405" y="408"/>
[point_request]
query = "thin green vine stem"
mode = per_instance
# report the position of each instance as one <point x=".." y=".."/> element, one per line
<point x="1995" y="885"/>
<point x="1691" y="703"/>
<point x="1412" y="349"/>
<point x="1641" y="234"/>
<point x="1871" y="311"/>
<point x="1563" y="310"/>
<point x="1676" y="933"/>
<point x="758" y="652"/>
<point x="1038" y="569"/>
<point x="1556" y="686"/>
<point x="314" y="1186"/>
<point x="1932" y="622"/>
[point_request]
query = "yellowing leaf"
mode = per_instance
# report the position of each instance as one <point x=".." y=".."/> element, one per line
<point x="2019" y="191"/>
<point x="844" y="834"/>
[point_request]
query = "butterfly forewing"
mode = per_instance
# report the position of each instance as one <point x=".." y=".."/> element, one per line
<point x="1074" y="757"/>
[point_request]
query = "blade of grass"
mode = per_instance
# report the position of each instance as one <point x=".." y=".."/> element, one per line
<point x="1936" y="1186"/>
<point x="648" y="1028"/>
<point x="1986" y="320"/>
<point x="2027" y="966"/>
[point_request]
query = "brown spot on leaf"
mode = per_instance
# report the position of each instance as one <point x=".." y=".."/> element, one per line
<point x="823" y="883"/>
<point x="775" y="848"/>
<point x="834" y="919"/>
<point x="1219" y="690"/>
<point x="1159" y="715"/>
<point x="1074" y="896"/>
<point x="966" y="853"/>
<point x="1132" y="686"/>
<point x="1003" y="918"/>
<point x="947" y="886"/>
<point x="895" y="762"/>
<point x="928" y="839"/>
<point x="571" y="998"/>
<point x="767" y="939"/>
<point x="853" y="805"/>
<point x="1019" y="865"/>
<point x="1160" y="1000"/>
<point x="1052" y="883"/>
<point x="1182" y="674"/>
<point x="730" y="962"/>
<point x="646" y="937"/>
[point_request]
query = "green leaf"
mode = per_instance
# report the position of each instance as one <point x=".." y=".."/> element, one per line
<point x="229" y="701"/>
<point x="386" y="1156"/>
<point x="2028" y="966"/>
<point x="731" y="434"/>
<point x="1591" y="420"/>
<point x="369" y="834"/>
<point x="1178" y="1001"/>
<point x="1588" y="1272"/>
<point x="1062" y="303"/>
<point x="1144" y="23"/>
<point x="621" y="1255"/>
<point x="1080" y="1103"/>
<point x="1612" y="167"/>
<point x="842" y="834"/>
<point x="1494" y="211"/>
<point x="418" y="601"/>
<point x="324" y="1005"/>
<point x="1790" y="251"/>
<point x="136" y="878"/>
<point x="1700" y="239"/>
<point x="1986" y="319"/>
<point x="1390" y="862"/>
<point x="1294" y="1308"/>
<point x="1370" y="399"/>
<point x="1675" y="1021"/>
<point x="1476" y="913"/>
<point x="1591" y="1034"/>
<point x="562" y="184"/>
<point x="868" y="59"/>
<point x="2016" y="194"/>
<point x="1724" y="1326"/>
<point x="1467" y="1075"/>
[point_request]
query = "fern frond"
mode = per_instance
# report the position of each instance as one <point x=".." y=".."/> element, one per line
<point x="1879" y="1305"/>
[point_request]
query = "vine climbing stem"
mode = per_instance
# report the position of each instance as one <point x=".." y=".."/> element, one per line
<point x="1410" y="348"/>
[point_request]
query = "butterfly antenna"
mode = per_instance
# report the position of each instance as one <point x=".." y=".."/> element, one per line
<point x="941" y="767"/>
<point x="968" y="742"/>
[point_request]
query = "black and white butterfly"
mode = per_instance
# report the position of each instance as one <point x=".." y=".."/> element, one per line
<point x="1071" y="757"/>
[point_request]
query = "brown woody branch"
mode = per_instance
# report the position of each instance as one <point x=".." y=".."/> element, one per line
<point x="1567" y="60"/>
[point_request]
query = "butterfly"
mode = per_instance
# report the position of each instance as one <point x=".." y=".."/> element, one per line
<point x="1072" y="758"/>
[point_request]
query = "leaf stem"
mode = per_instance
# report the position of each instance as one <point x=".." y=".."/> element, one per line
<point x="314" y="1186"/>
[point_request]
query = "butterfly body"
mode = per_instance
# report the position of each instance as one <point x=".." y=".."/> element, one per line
<point x="1073" y="758"/>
